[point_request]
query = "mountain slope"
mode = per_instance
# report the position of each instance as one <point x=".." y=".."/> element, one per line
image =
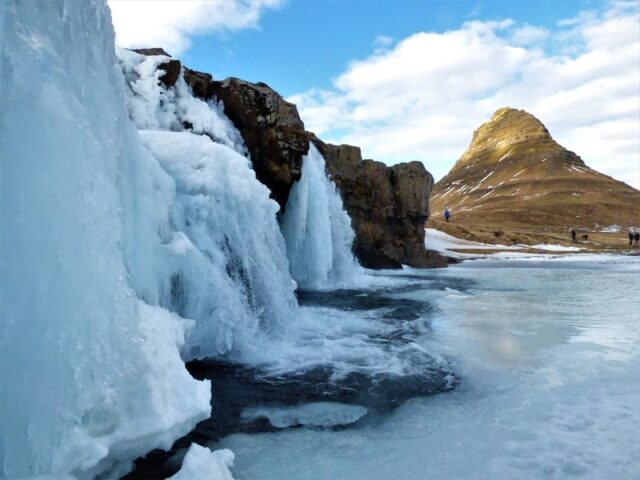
<point x="515" y="176"/>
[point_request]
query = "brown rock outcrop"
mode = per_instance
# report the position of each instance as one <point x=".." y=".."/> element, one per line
<point x="388" y="207"/>
<point x="270" y="127"/>
<point x="199" y="82"/>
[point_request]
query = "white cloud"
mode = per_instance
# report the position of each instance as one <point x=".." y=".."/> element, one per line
<point x="383" y="41"/>
<point x="423" y="97"/>
<point x="529" y="35"/>
<point x="170" y="23"/>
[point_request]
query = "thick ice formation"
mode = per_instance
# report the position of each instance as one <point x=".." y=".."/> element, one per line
<point x="230" y="272"/>
<point x="200" y="463"/>
<point x="154" y="107"/>
<point x="317" y="229"/>
<point x="91" y="375"/>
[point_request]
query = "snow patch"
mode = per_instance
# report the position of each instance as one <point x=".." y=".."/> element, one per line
<point x="444" y="243"/>
<point x="154" y="107"/>
<point x="555" y="248"/>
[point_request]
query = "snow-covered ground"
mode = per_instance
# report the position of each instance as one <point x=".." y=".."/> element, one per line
<point x="444" y="243"/>
<point x="447" y="244"/>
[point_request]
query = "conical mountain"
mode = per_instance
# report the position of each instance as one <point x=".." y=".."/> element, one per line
<point x="515" y="175"/>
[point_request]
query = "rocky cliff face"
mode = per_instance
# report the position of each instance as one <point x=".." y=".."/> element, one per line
<point x="515" y="175"/>
<point x="270" y="127"/>
<point x="388" y="206"/>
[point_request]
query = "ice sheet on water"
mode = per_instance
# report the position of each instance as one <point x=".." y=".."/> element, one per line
<point x="549" y="360"/>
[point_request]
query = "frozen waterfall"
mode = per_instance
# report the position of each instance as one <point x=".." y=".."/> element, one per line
<point x="228" y="269"/>
<point x="317" y="229"/>
<point x="91" y="374"/>
<point x="124" y="253"/>
<point x="119" y="259"/>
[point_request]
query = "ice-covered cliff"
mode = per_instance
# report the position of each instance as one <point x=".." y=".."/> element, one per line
<point x="91" y="371"/>
<point x="126" y="248"/>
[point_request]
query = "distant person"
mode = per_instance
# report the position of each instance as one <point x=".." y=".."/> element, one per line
<point x="447" y="214"/>
<point x="636" y="237"/>
<point x="573" y="235"/>
<point x="631" y="236"/>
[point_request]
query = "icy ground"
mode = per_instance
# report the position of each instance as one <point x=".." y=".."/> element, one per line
<point x="446" y="244"/>
<point x="549" y="355"/>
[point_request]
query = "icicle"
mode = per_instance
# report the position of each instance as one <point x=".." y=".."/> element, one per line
<point x="317" y="230"/>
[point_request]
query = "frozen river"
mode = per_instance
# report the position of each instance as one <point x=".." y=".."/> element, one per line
<point x="547" y="352"/>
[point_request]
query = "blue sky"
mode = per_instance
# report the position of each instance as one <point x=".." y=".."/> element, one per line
<point x="411" y="80"/>
<point x="305" y="43"/>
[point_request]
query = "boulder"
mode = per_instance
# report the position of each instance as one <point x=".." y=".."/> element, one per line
<point x="388" y="207"/>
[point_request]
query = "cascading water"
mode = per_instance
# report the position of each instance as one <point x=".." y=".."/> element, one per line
<point x="230" y="273"/>
<point x="317" y="229"/>
<point x="229" y="270"/>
